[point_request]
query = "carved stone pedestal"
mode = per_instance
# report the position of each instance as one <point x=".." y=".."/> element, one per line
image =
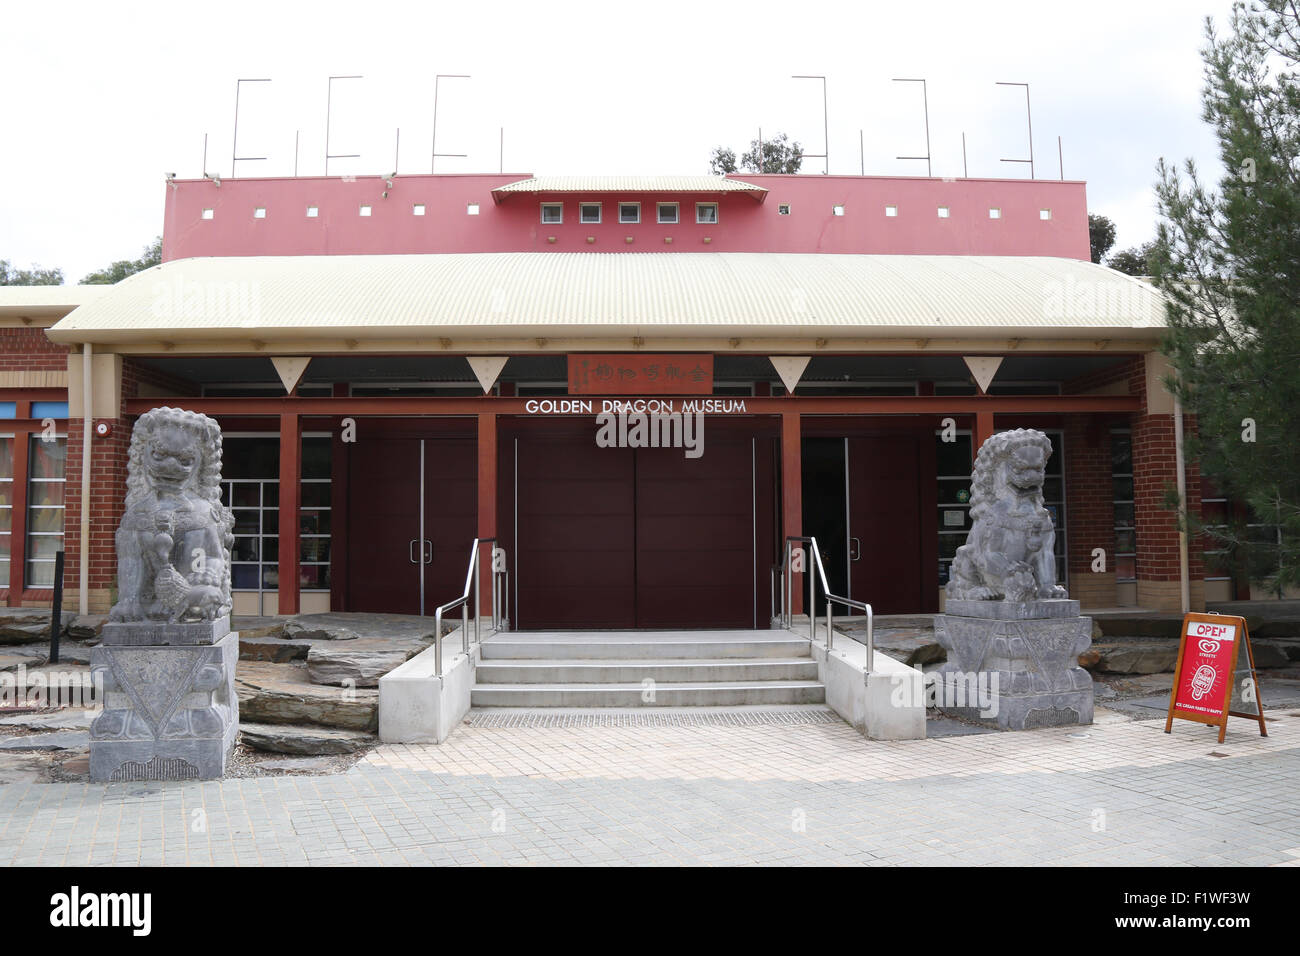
<point x="170" y="710"/>
<point x="1025" y="655"/>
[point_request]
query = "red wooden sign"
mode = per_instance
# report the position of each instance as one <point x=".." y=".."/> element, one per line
<point x="1206" y="674"/>
<point x="639" y="374"/>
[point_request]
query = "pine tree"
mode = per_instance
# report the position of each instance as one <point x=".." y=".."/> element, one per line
<point x="1229" y="262"/>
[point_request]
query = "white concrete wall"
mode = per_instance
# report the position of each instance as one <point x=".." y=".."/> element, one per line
<point x="883" y="705"/>
<point x="415" y="707"/>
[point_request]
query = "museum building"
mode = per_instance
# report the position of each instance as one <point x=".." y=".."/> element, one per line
<point x="402" y="364"/>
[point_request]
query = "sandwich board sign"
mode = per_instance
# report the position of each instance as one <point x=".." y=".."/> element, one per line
<point x="1208" y="683"/>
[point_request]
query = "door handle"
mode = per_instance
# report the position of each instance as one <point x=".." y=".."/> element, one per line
<point x="426" y="550"/>
<point x="410" y="551"/>
<point x="855" y="549"/>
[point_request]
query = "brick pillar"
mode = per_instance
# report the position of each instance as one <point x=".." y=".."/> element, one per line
<point x="1089" y="509"/>
<point x="1157" y="528"/>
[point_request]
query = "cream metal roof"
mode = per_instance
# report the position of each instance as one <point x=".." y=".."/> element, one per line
<point x="280" y="298"/>
<point x="19" y="302"/>
<point x="629" y="184"/>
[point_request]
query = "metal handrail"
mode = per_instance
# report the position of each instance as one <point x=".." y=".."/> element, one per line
<point x="500" y="603"/>
<point x="785" y="587"/>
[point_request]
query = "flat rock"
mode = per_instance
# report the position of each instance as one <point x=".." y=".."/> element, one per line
<point x="305" y="741"/>
<point x="56" y="740"/>
<point x="21" y="768"/>
<point x="27" y="625"/>
<point x="277" y="650"/>
<point x="284" y="694"/>
<point x="302" y="764"/>
<point x="319" y="632"/>
<point x="362" y="662"/>
<point x="68" y="719"/>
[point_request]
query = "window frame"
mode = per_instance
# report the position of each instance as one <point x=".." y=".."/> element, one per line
<point x="717" y="213"/>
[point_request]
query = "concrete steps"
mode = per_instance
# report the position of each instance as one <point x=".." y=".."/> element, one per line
<point x="646" y="669"/>
<point x="667" y="671"/>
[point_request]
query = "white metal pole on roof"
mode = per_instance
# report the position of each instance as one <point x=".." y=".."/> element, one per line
<point x="83" y="595"/>
<point x="1184" y="583"/>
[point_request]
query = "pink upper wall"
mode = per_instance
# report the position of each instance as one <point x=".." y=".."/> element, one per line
<point x="514" y="224"/>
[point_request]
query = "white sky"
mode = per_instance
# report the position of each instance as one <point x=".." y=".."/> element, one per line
<point x="103" y="99"/>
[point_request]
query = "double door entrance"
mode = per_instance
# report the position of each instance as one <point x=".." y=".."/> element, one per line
<point x="870" y="502"/>
<point x="412" y="517"/>
<point x="637" y="538"/>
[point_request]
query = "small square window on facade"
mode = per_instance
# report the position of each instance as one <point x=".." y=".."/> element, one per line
<point x="629" y="212"/>
<point x="206" y="214"/>
<point x="417" y="209"/>
<point x="706" y="212"/>
<point x="471" y="209"/>
<point x="783" y="209"/>
<point x="365" y="210"/>
<point x="259" y="212"/>
<point x="589" y="212"/>
<point x="1044" y="214"/>
<point x="891" y="211"/>
<point x="552" y="212"/>
<point x="667" y="212"/>
<point x="943" y="212"/>
<point x="837" y="209"/>
<point x="313" y="212"/>
<point x="995" y="213"/>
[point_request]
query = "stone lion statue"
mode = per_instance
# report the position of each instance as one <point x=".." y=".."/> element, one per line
<point x="173" y="546"/>
<point x="1009" y="554"/>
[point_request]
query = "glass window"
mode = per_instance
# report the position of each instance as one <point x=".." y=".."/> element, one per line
<point x="589" y="212"/>
<point x="629" y="212"/>
<point x="706" y="212"/>
<point x="251" y="488"/>
<point x="1121" y="479"/>
<point x="6" y="506"/>
<point x="668" y="212"/>
<point x="953" y="460"/>
<point x="552" y="213"/>
<point x="47" y="458"/>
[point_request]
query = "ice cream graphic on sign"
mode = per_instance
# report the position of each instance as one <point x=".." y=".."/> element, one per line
<point x="1203" y="680"/>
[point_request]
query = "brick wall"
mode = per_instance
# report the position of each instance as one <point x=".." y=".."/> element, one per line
<point x="28" y="350"/>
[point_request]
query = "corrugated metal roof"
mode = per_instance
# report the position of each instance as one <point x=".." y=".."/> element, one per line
<point x="629" y="184"/>
<point x="498" y="294"/>
<point x="46" y="300"/>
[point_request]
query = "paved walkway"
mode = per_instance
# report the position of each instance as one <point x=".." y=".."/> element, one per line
<point x="786" y="791"/>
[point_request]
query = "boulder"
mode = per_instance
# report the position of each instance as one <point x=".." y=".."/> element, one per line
<point x="284" y="694"/>
<point x="303" y="741"/>
<point x="86" y="627"/>
<point x="299" y="764"/>
<point x="22" y="768"/>
<point x="1135" y="657"/>
<point x="361" y="663"/>
<point x="927" y="654"/>
<point x="65" y="719"/>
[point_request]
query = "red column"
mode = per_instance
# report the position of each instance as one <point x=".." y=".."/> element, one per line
<point x="792" y="494"/>
<point x="290" y="493"/>
<point x="487" y="502"/>
<point x="983" y="429"/>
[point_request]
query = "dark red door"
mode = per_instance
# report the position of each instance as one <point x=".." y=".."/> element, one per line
<point x="450" y="517"/>
<point x="695" y="536"/>
<point x="575" y="562"/>
<point x="383" y="508"/>
<point x="388" y="550"/>
<point x="893" y="540"/>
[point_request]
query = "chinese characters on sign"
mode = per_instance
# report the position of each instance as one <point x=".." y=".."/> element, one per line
<point x="640" y="374"/>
